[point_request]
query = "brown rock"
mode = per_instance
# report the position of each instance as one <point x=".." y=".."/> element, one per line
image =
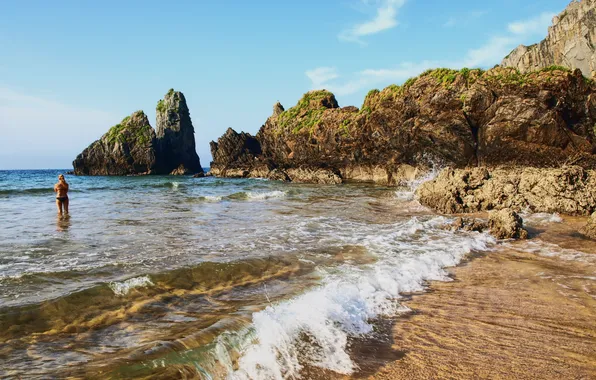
<point x="570" y="42"/>
<point x="506" y="224"/>
<point x="590" y="228"/>
<point x="127" y="148"/>
<point x="443" y="117"/>
<point x="569" y="190"/>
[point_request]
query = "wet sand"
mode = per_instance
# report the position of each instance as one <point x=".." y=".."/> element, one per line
<point x="507" y="315"/>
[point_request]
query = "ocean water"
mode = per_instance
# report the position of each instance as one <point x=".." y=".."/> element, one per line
<point x="180" y="277"/>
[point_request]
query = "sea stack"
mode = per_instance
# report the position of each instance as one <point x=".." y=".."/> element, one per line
<point x="176" y="136"/>
<point x="127" y="148"/>
<point x="133" y="147"/>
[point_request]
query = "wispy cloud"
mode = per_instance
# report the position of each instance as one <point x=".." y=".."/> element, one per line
<point x="321" y="75"/>
<point x="532" y="26"/>
<point x="464" y="19"/>
<point x="385" y="18"/>
<point x="486" y="55"/>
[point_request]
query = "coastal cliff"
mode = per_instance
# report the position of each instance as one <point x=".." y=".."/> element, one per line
<point x="570" y="42"/>
<point x="134" y="147"/>
<point x="448" y="117"/>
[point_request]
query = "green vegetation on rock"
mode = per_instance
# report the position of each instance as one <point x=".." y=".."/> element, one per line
<point x="161" y="106"/>
<point x="126" y="131"/>
<point x="556" y="68"/>
<point x="307" y="113"/>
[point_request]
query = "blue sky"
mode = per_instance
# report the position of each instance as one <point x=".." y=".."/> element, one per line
<point x="71" y="69"/>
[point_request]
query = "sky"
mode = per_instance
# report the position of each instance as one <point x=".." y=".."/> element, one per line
<point x="71" y="69"/>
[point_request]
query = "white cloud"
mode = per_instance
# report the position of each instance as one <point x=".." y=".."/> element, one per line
<point x="385" y="18"/>
<point x="464" y="19"/>
<point x="487" y="55"/>
<point x="32" y="125"/>
<point x="536" y="25"/>
<point x="321" y="75"/>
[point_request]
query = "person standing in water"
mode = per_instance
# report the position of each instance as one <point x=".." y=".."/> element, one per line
<point x="61" y="190"/>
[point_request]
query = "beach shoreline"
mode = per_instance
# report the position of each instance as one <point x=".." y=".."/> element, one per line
<point x="509" y="313"/>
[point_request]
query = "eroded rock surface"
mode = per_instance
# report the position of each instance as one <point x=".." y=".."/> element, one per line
<point x="446" y="117"/>
<point x="506" y="224"/>
<point x="589" y="229"/>
<point x="568" y="190"/>
<point x="176" y="136"/>
<point x="570" y="42"/>
<point x="127" y="148"/>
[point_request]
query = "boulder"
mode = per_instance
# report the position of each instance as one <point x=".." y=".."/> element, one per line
<point x="506" y="224"/>
<point x="589" y="229"/>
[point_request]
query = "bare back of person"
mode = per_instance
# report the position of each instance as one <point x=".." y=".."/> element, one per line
<point x="61" y="190"/>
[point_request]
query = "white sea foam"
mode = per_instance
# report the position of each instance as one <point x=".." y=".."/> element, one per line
<point x="408" y="190"/>
<point x="265" y="195"/>
<point x="540" y="218"/>
<point x="543" y="248"/>
<point x="212" y="198"/>
<point x="408" y="254"/>
<point x="121" y="288"/>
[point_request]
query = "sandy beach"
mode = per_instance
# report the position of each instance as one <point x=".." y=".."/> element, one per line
<point x="510" y="314"/>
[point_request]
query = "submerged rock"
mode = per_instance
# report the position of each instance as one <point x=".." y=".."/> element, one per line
<point x="570" y="42"/>
<point x="469" y="224"/>
<point x="127" y="148"/>
<point x="568" y="190"/>
<point x="506" y="224"/>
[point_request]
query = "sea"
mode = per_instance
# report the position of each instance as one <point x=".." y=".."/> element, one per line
<point x="181" y="277"/>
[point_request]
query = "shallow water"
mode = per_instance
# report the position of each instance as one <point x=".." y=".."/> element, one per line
<point x="207" y="277"/>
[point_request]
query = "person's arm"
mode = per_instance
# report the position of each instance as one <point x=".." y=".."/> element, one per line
<point x="55" y="188"/>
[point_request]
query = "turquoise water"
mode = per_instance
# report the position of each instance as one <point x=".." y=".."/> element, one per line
<point x="166" y="277"/>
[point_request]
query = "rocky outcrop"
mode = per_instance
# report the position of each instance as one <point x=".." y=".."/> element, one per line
<point x="506" y="224"/>
<point x="127" y="148"/>
<point x="446" y="117"/>
<point x="570" y="42"/>
<point x="569" y="190"/>
<point x="176" y="136"/>
<point x="589" y="229"/>
<point x="234" y="151"/>
<point x="133" y="147"/>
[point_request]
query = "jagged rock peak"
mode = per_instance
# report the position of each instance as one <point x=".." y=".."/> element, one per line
<point x="278" y="109"/>
<point x="175" y="133"/>
<point x="318" y="99"/>
<point x="570" y="42"/>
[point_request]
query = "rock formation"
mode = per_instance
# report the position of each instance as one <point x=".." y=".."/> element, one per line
<point x="176" y="136"/>
<point x="127" y="148"/>
<point x="133" y="147"/>
<point x="459" y="118"/>
<point x="506" y="224"/>
<point x="570" y="42"/>
<point x="589" y="229"/>
<point x="568" y="190"/>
